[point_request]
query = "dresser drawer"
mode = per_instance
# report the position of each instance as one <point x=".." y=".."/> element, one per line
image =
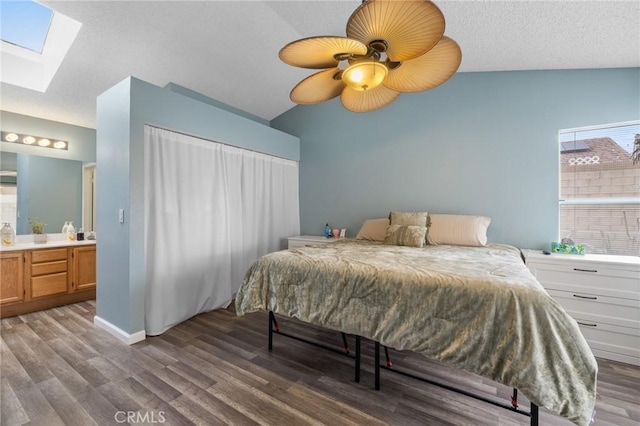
<point x="38" y="269"/>
<point x="47" y="285"/>
<point x="608" y="282"/>
<point x="609" y="338"/>
<point x="39" y="256"/>
<point x="610" y="310"/>
<point x="586" y="268"/>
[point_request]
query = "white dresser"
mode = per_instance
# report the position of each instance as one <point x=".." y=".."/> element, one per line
<point x="602" y="293"/>
<point x="308" y="240"/>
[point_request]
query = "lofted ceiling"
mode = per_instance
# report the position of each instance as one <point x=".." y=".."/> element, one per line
<point x="228" y="50"/>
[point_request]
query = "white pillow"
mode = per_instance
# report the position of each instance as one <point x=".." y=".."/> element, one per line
<point x="373" y="230"/>
<point x="458" y="230"/>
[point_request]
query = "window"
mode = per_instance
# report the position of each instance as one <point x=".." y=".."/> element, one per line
<point x="8" y="204"/>
<point x="600" y="188"/>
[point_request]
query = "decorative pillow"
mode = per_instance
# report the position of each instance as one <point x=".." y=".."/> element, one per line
<point x="409" y="218"/>
<point x="405" y="235"/>
<point x="458" y="230"/>
<point x="373" y="230"/>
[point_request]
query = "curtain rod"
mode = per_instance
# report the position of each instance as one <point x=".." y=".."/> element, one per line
<point x="221" y="143"/>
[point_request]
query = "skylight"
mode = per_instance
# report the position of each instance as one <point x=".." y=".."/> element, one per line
<point x="34" y="42"/>
<point x="25" y="24"/>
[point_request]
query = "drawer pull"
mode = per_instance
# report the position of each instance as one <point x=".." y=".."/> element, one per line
<point x="587" y="324"/>
<point x="585" y="270"/>
<point x="585" y="297"/>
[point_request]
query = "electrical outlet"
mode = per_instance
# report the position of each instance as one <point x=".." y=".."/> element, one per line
<point x="121" y="215"/>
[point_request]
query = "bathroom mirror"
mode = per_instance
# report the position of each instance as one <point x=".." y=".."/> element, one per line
<point x="48" y="189"/>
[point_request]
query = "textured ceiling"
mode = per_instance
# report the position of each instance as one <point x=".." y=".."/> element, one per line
<point x="228" y="50"/>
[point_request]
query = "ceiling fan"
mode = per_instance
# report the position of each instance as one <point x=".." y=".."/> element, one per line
<point x="392" y="46"/>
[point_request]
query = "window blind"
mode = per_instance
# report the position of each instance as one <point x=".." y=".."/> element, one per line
<point x="600" y="189"/>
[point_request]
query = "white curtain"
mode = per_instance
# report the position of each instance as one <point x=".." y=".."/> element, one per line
<point x="210" y="211"/>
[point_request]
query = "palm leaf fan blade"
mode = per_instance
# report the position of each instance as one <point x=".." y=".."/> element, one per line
<point x="367" y="100"/>
<point x="427" y="71"/>
<point x="408" y="27"/>
<point x="318" y="87"/>
<point x="319" y="52"/>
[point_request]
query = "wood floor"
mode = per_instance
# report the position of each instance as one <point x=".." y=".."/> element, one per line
<point x="57" y="368"/>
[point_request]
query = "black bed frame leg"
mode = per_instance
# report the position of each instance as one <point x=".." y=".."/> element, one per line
<point x="272" y="319"/>
<point x="345" y="343"/>
<point x="386" y="355"/>
<point x="357" y="359"/>
<point x="534" y="414"/>
<point x="377" y="361"/>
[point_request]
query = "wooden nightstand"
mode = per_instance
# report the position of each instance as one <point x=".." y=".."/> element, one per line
<point x="308" y="240"/>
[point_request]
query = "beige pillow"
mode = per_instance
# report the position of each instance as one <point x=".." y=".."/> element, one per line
<point x="402" y="235"/>
<point x="373" y="230"/>
<point x="458" y="230"/>
<point x="408" y="218"/>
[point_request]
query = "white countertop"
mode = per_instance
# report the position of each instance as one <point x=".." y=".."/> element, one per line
<point x="25" y="242"/>
<point x="600" y="258"/>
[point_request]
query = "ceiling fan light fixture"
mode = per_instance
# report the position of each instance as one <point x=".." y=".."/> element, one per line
<point x="392" y="47"/>
<point x="364" y="75"/>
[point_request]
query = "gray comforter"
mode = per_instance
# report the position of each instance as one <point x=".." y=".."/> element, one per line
<point x="475" y="308"/>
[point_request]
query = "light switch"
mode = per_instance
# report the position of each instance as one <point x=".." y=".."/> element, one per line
<point x="121" y="215"/>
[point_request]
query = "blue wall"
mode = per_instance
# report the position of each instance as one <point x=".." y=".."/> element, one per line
<point x="482" y="143"/>
<point x="214" y="102"/>
<point x="122" y="113"/>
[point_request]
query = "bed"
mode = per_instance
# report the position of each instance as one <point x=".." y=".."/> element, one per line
<point x="475" y="308"/>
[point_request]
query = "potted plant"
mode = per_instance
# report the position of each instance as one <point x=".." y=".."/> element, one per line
<point x="37" y="228"/>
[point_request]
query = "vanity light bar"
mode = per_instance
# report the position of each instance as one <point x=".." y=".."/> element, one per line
<point x="35" y="141"/>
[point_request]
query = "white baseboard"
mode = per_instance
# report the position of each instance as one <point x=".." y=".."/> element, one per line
<point x="122" y="335"/>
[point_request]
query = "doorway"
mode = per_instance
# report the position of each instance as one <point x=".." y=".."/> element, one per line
<point x="89" y="197"/>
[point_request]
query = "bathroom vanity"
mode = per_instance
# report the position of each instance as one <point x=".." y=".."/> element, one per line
<point x="42" y="276"/>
